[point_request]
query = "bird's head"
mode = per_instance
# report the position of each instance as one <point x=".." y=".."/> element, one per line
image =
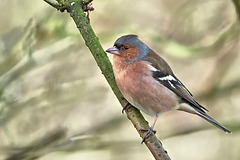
<point x="130" y="48"/>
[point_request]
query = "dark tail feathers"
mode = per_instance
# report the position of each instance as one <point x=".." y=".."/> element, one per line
<point x="212" y="121"/>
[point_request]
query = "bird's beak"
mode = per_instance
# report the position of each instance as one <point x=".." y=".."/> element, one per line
<point x="113" y="50"/>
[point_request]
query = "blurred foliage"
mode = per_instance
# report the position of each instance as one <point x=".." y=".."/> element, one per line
<point x="55" y="104"/>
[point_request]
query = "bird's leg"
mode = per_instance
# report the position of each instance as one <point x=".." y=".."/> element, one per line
<point x="126" y="107"/>
<point x="150" y="130"/>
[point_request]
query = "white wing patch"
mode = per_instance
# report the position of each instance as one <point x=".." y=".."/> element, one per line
<point x="152" y="68"/>
<point x="168" y="78"/>
<point x="171" y="84"/>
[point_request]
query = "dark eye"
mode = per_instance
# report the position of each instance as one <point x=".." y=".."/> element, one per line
<point x="126" y="47"/>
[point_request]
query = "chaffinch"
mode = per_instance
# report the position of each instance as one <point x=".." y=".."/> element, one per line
<point x="148" y="83"/>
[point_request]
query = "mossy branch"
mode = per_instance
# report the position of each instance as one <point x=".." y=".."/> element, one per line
<point x="75" y="8"/>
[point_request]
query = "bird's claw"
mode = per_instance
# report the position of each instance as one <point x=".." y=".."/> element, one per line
<point x="126" y="107"/>
<point x="149" y="132"/>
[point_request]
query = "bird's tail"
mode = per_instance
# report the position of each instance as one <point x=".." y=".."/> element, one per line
<point x="212" y="121"/>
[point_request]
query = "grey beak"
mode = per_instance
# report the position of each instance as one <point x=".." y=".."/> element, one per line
<point x="113" y="50"/>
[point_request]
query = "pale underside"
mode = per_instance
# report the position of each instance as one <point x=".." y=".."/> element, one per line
<point x="144" y="92"/>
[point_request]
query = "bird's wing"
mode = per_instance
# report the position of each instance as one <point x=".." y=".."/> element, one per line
<point x="165" y="76"/>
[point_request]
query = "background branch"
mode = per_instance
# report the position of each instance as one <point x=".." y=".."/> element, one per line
<point x="237" y="8"/>
<point x="74" y="7"/>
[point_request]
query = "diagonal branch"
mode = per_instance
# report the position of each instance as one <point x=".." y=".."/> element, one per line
<point x="75" y="8"/>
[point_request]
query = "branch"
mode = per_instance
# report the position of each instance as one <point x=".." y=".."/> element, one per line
<point x="237" y="8"/>
<point x="75" y="8"/>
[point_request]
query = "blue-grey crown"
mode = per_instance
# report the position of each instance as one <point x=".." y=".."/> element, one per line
<point x="133" y="40"/>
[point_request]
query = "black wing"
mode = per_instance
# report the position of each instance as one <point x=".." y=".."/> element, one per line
<point x="175" y="85"/>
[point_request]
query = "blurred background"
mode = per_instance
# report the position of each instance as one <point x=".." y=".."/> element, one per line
<point x="55" y="103"/>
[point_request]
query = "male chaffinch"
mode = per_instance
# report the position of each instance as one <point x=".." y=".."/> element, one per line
<point x="148" y="83"/>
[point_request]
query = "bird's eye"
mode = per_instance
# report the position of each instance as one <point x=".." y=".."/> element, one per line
<point x="126" y="47"/>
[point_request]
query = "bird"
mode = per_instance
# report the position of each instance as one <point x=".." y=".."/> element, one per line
<point x="148" y="83"/>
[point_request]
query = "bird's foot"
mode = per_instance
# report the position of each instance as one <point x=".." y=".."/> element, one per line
<point x="149" y="132"/>
<point x="126" y="107"/>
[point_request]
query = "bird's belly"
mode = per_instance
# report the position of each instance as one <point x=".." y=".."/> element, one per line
<point x="148" y="110"/>
<point x="147" y="94"/>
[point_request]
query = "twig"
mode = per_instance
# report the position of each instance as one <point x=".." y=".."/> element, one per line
<point x="75" y="8"/>
<point x="56" y="5"/>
